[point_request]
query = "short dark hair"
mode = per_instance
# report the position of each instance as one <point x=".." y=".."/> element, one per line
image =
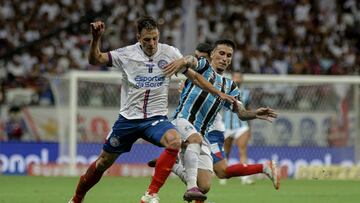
<point x="204" y="47"/>
<point x="14" y="109"/>
<point x="227" y="42"/>
<point x="146" y="22"/>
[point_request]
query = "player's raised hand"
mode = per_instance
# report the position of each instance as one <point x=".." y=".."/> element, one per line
<point x="267" y="114"/>
<point x="97" y="29"/>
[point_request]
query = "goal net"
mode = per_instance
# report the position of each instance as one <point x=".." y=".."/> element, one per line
<point x="318" y="122"/>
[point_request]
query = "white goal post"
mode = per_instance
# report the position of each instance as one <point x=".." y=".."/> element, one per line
<point x="282" y="92"/>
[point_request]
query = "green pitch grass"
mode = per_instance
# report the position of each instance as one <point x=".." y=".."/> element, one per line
<point x="24" y="189"/>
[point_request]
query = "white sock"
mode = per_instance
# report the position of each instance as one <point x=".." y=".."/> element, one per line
<point x="179" y="170"/>
<point x="191" y="162"/>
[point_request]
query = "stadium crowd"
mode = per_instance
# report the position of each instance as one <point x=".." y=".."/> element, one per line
<point x="50" y="37"/>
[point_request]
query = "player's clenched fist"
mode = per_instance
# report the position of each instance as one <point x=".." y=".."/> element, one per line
<point x="97" y="29"/>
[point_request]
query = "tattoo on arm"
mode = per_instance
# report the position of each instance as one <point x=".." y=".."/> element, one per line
<point x="244" y="114"/>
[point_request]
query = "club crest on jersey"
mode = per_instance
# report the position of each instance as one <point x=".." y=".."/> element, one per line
<point x="114" y="141"/>
<point x="162" y="63"/>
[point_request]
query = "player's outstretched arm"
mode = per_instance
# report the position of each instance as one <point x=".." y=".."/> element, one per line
<point x="200" y="81"/>
<point x="180" y="65"/>
<point x="96" y="57"/>
<point x="267" y="113"/>
<point x="186" y="65"/>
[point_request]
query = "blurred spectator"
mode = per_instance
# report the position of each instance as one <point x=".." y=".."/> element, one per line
<point x="15" y="127"/>
<point x="274" y="37"/>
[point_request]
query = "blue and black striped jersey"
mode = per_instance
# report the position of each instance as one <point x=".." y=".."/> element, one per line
<point x="200" y="107"/>
<point x="231" y="119"/>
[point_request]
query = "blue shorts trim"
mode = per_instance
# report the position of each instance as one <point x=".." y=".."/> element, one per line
<point x="126" y="131"/>
<point x="216" y="139"/>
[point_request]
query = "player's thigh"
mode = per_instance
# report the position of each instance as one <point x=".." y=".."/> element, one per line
<point x="204" y="179"/>
<point x="162" y="132"/>
<point x="187" y="131"/>
<point x="243" y="140"/>
<point x="228" y="143"/>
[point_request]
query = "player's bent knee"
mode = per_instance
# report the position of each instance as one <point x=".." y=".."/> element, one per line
<point x="195" y="138"/>
<point x="171" y="140"/>
<point x="175" y="144"/>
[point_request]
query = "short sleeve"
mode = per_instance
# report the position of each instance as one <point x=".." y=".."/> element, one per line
<point x="116" y="58"/>
<point x="202" y="65"/>
<point x="176" y="53"/>
<point x="235" y="92"/>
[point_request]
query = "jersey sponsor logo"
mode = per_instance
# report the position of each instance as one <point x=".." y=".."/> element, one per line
<point x="162" y="63"/>
<point x="151" y="81"/>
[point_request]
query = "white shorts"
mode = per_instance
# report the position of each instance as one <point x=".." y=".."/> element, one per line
<point x="185" y="128"/>
<point x="236" y="133"/>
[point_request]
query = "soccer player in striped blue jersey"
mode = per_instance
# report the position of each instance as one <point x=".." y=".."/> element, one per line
<point x="200" y="108"/>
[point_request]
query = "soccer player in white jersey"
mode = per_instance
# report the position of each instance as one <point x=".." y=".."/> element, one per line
<point x="144" y="101"/>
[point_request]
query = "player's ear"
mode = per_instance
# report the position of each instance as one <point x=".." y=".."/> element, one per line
<point x="138" y="37"/>
<point x="212" y="53"/>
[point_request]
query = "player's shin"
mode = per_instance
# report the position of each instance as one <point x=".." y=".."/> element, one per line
<point x="191" y="162"/>
<point x="87" y="181"/>
<point x="179" y="170"/>
<point x="243" y="170"/>
<point x="162" y="169"/>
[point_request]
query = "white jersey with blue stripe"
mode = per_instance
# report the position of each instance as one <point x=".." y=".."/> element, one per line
<point x="231" y="120"/>
<point x="200" y="107"/>
<point x="144" y="90"/>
